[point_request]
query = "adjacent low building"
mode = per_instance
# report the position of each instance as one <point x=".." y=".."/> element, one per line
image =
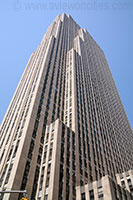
<point x="108" y="189"/>
<point x="125" y="180"/>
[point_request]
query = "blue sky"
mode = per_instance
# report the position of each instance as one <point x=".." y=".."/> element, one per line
<point x="24" y="22"/>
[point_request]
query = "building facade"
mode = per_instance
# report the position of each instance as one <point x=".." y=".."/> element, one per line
<point x="104" y="189"/>
<point x="58" y="164"/>
<point x="67" y="81"/>
<point x="125" y="180"/>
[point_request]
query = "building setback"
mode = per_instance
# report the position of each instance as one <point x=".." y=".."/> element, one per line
<point x="67" y="84"/>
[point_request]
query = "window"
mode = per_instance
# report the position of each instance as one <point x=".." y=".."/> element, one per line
<point x="52" y="136"/>
<point x="50" y="154"/>
<point x="10" y="154"/>
<point x="128" y="180"/>
<point x="40" y="194"/>
<point x="8" y="174"/>
<point x="49" y="167"/>
<point x="51" y="145"/>
<point x="44" y="158"/>
<point x="47" y="137"/>
<point x="40" y="150"/>
<point x="100" y="193"/>
<point x="122" y="182"/>
<point x="131" y="190"/>
<point x="39" y="159"/>
<point x="53" y="127"/>
<point x="47" y="182"/>
<point x="46" y="197"/>
<point x="83" y="196"/>
<point x="91" y="194"/>
<point x="3" y="174"/>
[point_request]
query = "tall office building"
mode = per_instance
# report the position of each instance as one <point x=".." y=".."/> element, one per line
<point x="65" y="125"/>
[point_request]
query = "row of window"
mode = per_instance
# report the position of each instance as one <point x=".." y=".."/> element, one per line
<point x="67" y="164"/>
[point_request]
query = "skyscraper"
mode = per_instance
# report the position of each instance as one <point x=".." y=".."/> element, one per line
<point x="66" y="125"/>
